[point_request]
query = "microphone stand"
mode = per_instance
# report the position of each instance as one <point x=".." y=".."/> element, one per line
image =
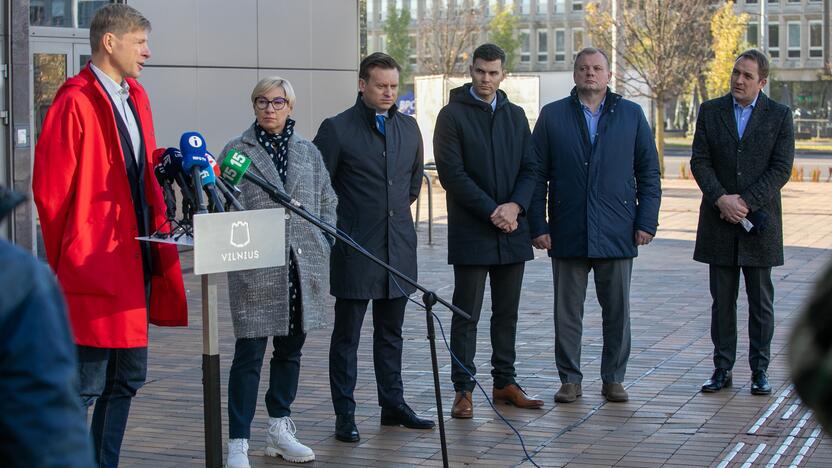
<point x="430" y="298"/>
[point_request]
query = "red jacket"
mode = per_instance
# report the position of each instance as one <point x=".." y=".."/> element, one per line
<point x="82" y="193"/>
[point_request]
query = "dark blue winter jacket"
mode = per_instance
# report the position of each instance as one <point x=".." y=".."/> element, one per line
<point x="598" y="194"/>
<point x="42" y="422"/>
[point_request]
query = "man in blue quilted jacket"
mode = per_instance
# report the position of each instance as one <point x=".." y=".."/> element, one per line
<point x="599" y="166"/>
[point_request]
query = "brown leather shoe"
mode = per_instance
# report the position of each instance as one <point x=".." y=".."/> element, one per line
<point x="513" y="394"/>
<point x="463" y="406"/>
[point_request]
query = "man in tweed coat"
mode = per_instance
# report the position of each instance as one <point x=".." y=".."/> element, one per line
<point x="742" y="156"/>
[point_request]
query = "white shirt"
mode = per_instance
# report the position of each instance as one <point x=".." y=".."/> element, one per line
<point x="119" y="94"/>
<point x="493" y="102"/>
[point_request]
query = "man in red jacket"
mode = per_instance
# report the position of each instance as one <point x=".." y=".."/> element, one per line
<point x="94" y="189"/>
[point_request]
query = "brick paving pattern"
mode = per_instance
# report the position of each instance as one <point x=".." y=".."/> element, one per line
<point x="666" y="422"/>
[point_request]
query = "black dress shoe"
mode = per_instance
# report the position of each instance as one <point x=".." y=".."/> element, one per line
<point x="721" y="379"/>
<point x="759" y="383"/>
<point x="345" y="428"/>
<point x="402" y="415"/>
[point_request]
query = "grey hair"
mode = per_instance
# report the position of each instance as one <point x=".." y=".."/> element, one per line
<point x="270" y="82"/>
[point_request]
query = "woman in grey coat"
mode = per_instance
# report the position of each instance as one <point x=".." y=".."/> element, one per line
<point x="282" y="302"/>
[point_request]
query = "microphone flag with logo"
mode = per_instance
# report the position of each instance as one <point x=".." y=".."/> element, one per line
<point x="194" y="159"/>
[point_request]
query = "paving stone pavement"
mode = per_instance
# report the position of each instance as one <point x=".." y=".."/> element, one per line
<point x="666" y="422"/>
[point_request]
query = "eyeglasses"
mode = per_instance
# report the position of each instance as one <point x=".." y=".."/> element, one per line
<point x="277" y="103"/>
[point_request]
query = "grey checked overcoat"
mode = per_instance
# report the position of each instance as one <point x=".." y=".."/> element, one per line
<point x="755" y="166"/>
<point x="259" y="298"/>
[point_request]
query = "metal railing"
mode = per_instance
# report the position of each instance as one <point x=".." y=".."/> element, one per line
<point x="429" y="167"/>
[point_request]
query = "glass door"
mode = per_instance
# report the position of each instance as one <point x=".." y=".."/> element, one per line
<point x="52" y="64"/>
<point x="53" y="61"/>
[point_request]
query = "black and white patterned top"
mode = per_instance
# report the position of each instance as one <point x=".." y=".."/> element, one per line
<point x="277" y="146"/>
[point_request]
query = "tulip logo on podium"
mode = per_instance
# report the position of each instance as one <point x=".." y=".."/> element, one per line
<point x="240" y="236"/>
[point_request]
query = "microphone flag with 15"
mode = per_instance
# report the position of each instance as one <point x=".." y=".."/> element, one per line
<point x="234" y="169"/>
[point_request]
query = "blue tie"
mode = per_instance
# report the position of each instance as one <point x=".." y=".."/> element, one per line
<point x="380" y="123"/>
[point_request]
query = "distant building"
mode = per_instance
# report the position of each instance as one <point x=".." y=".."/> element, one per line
<point x="551" y="32"/>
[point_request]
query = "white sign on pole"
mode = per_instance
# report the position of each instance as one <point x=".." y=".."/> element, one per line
<point x="239" y="240"/>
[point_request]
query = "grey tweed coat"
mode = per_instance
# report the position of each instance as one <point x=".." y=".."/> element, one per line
<point x="259" y="298"/>
<point x="755" y="166"/>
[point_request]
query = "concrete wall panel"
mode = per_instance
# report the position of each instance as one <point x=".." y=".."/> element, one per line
<point x="339" y="21"/>
<point x="173" y="97"/>
<point x="173" y="40"/>
<point x="227" y="33"/>
<point x="284" y="27"/>
<point x="223" y="104"/>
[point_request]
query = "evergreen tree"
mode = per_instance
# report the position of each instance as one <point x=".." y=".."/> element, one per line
<point x="398" y="40"/>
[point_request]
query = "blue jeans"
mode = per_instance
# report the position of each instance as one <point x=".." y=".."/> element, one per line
<point x="244" y="380"/>
<point x="110" y="378"/>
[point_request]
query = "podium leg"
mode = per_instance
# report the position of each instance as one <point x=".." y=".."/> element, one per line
<point x="211" y="374"/>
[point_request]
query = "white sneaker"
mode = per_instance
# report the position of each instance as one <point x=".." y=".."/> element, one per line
<point x="237" y="454"/>
<point x="280" y="440"/>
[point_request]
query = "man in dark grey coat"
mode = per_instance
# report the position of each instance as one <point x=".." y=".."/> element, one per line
<point x="743" y="151"/>
<point x="374" y="156"/>
<point x="481" y="144"/>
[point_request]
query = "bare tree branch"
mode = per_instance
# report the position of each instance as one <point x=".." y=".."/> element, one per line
<point x="448" y="37"/>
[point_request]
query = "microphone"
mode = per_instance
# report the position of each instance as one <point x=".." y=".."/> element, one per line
<point x="171" y="159"/>
<point x="167" y="191"/>
<point x="165" y="182"/>
<point x="235" y="168"/>
<point x="192" y="145"/>
<point x="208" y="182"/>
<point x="226" y="192"/>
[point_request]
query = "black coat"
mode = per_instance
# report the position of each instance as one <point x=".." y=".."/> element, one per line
<point x="756" y="167"/>
<point x="484" y="159"/>
<point x="376" y="178"/>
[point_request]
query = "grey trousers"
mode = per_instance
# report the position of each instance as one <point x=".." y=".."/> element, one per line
<point x="612" y="285"/>
<point x="725" y="285"/>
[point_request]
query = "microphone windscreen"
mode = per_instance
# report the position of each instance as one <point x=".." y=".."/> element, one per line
<point x="192" y="146"/>
<point x="207" y="176"/>
<point x="214" y="164"/>
<point x="172" y="160"/>
<point x="234" y="166"/>
<point x="158" y="154"/>
<point x="161" y="174"/>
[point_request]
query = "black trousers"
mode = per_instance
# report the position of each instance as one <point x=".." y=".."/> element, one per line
<point x="388" y="316"/>
<point x="725" y="284"/>
<point x="469" y="288"/>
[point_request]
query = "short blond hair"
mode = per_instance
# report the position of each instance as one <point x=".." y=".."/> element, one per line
<point x="270" y="82"/>
<point x="118" y="19"/>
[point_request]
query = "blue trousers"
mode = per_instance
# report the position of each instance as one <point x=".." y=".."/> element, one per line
<point x="244" y="380"/>
<point x="110" y="378"/>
